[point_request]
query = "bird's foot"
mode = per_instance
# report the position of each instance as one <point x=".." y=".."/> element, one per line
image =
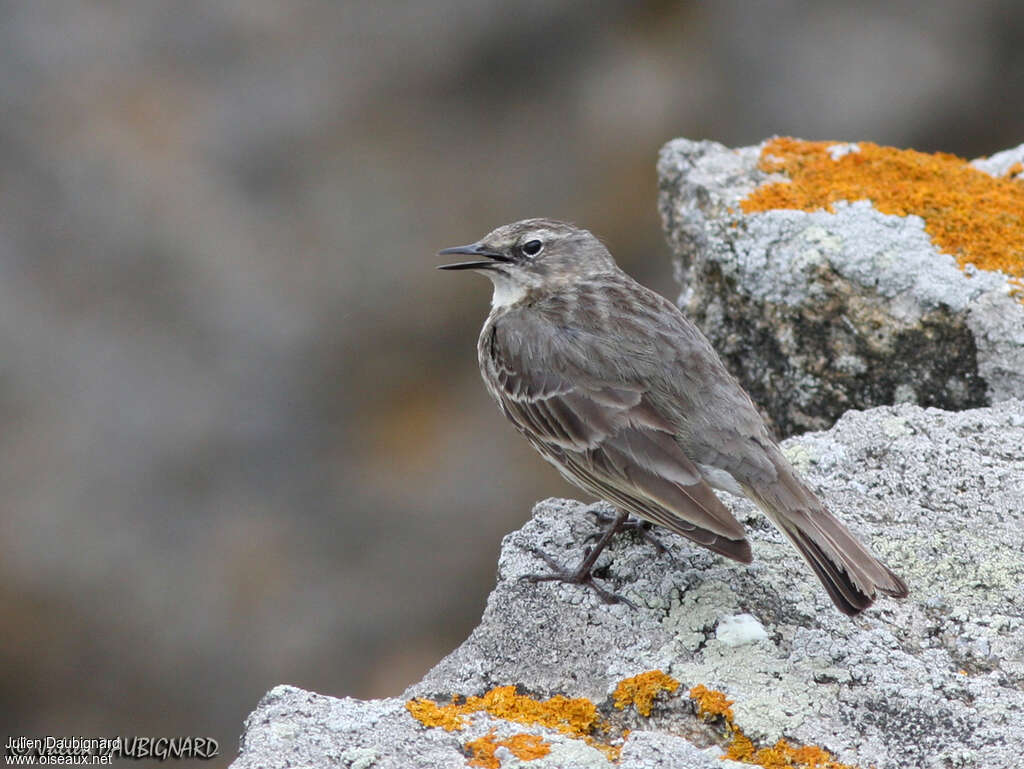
<point x="582" y="575"/>
<point x="641" y="527"/>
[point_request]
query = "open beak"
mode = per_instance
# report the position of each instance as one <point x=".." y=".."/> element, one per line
<point x="473" y="249"/>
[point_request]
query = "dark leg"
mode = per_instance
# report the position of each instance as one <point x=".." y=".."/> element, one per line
<point x="641" y="527"/>
<point x="582" y="575"/>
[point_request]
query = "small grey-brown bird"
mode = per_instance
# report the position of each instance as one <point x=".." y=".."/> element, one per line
<point x="625" y="396"/>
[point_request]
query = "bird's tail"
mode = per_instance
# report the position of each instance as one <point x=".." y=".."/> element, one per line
<point x="850" y="573"/>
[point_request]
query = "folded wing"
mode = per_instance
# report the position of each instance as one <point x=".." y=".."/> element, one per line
<point x="609" y="439"/>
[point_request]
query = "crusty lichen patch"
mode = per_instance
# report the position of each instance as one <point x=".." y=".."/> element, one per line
<point x="712" y="704"/>
<point x="525" y="747"/>
<point x="429" y="713"/>
<point x="575" y="717"/>
<point x="975" y="217"/>
<point x="782" y="755"/>
<point x="642" y="689"/>
<point x="578" y="718"/>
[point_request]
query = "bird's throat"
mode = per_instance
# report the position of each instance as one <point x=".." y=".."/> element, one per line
<point x="506" y="291"/>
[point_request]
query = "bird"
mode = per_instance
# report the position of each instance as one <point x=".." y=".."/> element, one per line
<point x="615" y="387"/>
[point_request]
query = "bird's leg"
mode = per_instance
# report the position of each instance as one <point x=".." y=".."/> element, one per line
<point x="583" y="575"/>
<point x="640" y="526"/>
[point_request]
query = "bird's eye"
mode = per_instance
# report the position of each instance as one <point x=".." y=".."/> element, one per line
<point x="532" y="247"/>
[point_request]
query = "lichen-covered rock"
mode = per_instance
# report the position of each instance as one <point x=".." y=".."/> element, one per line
<point x="935" y="680"/>
<point x="843" y="305"/>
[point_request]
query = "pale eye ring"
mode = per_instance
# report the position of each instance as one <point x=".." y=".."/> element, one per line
<point x="532" y="247"/>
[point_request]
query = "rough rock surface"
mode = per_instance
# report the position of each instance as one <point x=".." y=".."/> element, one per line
<point x="818" y="312"/>
<point x="936" y="680"/>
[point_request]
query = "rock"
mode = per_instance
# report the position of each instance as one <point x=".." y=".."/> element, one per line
<point x="820" y="311"/>
<point x="935" y="680"/>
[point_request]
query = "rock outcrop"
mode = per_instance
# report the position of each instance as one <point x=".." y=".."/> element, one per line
<point x="839" y="276"/>
<point x="555" y="678"/>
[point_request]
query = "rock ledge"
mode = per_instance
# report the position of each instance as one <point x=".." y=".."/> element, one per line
<point x="936" y="680"/>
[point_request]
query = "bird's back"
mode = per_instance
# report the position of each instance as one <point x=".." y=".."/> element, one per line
<point x="571" y="379"/>
<point x="609" y="328"/>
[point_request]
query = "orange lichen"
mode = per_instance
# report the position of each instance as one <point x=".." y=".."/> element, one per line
<point x="525" y="747"/>
<point x="573" y="716"/>
<point x="1017" y="169"/>
<point x="975" y="217"/>
<point x="642" y="689"/>
<point x="711" y="703"/>
<point x="429" y="713"/>
<point x="578" y="718"/>
<point x="782" y="755"/>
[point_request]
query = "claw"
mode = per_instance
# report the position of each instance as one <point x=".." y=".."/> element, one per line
<point x="573" y="577"/>
<point x="583" y="574"/>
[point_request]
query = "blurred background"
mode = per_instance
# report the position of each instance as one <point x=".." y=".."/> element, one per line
<point x="243" y="439"/>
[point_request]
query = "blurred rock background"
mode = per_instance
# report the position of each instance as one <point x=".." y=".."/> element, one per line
<point x="242" y="436"/>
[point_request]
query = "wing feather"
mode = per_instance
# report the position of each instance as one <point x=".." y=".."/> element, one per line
<point x="609" y="438"/>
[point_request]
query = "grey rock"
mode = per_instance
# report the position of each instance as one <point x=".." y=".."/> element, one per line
<point x="821" y="312"/>
<point x="292" y="727"/>
<point x="1000" y="163"/>
<point x="936" y="680"/>
<point x="669" y="751"/>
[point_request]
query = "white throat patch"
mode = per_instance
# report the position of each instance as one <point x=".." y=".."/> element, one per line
<point x="506" y="291"/>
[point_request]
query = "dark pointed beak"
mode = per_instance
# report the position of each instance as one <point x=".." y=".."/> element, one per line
<point x="473" y="249"/>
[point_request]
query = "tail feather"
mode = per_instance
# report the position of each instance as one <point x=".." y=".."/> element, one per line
<point x="851" y="575"/>
<point x="847" y="597"/>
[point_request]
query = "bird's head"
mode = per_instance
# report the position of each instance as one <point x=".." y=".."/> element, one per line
<point x="533" y="255"/>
